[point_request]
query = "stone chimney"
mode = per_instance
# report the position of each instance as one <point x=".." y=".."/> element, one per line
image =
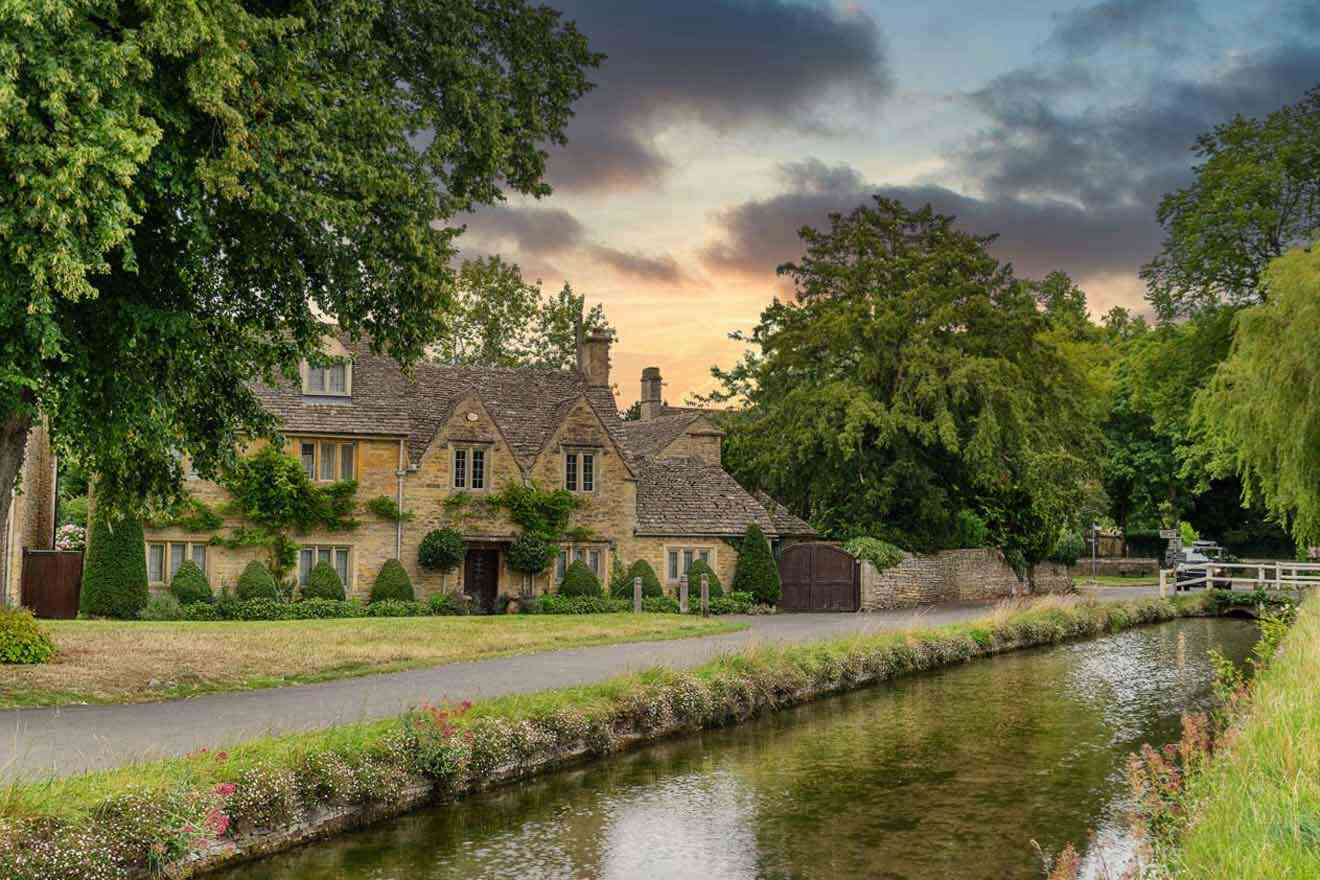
<point x="652" y="401"/>
<point x="593" y="358"/>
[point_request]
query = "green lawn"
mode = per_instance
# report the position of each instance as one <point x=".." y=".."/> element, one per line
<point x="1109" y="580"/>
<point x="103" y="661"/>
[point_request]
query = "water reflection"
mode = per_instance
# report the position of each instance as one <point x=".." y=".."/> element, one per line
<point x="945" y="775"/>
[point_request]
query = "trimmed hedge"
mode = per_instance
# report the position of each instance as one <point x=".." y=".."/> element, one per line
<point x="580" y="581"/>
<point x="115" y="577"/>
<point x="695" y="571"/>
<point x="256" y="582"/>
<point x="441" y="550"/>
<point x="757" y="572"/>
<point x="392" y="583"/>
<point x="651" y="588"/>
<point x="22" y="639"/>
<point x="397" y="608"/>
<point x="323" y="583"/>
<point x="189" y="584"/>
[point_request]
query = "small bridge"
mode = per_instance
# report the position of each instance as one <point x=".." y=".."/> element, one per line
<point x="1279" y="575"/>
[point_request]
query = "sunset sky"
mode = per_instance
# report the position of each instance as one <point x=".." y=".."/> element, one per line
<point x="719" y="127"/>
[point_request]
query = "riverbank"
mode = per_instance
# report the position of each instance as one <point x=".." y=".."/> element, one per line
<point x="1256" y="808"/>
<point x="194" y="814"/>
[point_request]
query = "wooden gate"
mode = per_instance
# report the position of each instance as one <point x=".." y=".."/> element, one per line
<point x="52" y="580"/>
<point x="819" y="577"/>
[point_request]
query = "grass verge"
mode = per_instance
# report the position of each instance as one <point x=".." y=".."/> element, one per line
<point x="108" y="661"/>
<point x="1255" y="810"/>
<point x="191" y="814"/>
<point x="1113" y="580"/>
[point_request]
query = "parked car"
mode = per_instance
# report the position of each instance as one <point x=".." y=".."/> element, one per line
<point x="1197" y="562"/>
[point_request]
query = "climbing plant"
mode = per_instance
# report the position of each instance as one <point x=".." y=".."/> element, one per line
<point x="540" y="512"/>
<point x="387" y="508"/>
<point x="188" y="513"/>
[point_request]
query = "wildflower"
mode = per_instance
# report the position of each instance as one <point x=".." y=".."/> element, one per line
<point x="225" y="789"/>
<point x="217" y="821"/>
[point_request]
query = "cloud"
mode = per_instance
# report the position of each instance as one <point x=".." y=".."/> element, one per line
<point x="535" y="231"/>
<point x="722" y="63"/>
<point x="1163" y="25"/>
<point x="1036" y="236"/>
<point x="663" y="268"/>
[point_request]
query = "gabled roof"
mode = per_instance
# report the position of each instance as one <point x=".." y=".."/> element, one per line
<point x="687" y="496"/>
<point x="786" y="524"/>
<point x="526" y="404"/>
<point x="649" y="438"/>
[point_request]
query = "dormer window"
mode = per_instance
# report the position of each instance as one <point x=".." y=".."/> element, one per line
<point x="335" y="380"/>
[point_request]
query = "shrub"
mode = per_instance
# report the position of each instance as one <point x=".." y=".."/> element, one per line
<point x="695" y="571"/>
<point x="73" y="511"/>
<point x="396" y="608"/>
<point x="259" y="609"/>
<point x="447" y="604"/>
<point x="324" y="609"/>
<point x="580" y="581"/>
<point x="323" y="583"/>
<point x="561" y="604"/>
<point x="619" y="583"/>
<point x="162" y="606"/>
<point x="201" y="611"/>
<point x="256" y="583"/>
<point x="1067" y="547"/>
<point x="71" y="537"/>
<point x="650" y="583"/>
<point x="115" y="578"/>
<point x="441" y="550"/>
<point x="659" y="605"/>
<point x="22" y="639"/>
<point x="969" y="531"/>
<point x="529" y="554"/>
<point x="392" y="583"/>
<point x="756" y="572"/>
<point x="189" y="584"/>
<point x="881" y="554"/>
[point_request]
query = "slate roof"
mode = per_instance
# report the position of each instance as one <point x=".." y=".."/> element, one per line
<point x="786" y="524"/>
<point x="687" y="496"/>
<point x="526" y="404"/>
<point x="649" y="438"/>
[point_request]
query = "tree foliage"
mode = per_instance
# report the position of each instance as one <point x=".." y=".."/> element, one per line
<point x="1260" y="417"/>
<point x="186" y="190"/>
<point x="1256" y="194"/>
<point x="913" y="378"/>
<point x="441" y="550"/>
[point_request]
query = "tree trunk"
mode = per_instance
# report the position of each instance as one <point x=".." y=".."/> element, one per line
<point x="14" y="428"/>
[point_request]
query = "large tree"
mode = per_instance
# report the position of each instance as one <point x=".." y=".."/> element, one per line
<point x="1256" y="194"/>
<point x="914" y="384"/>
<point x="1260" y="417"/>
<point x="187" y="191"/>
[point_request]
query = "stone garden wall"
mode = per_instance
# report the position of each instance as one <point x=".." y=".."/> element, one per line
<point x="1118" y="567"/>
<point x="955" y="576"/>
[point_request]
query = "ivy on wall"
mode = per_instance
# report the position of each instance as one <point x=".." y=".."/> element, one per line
<point x="387" y="508"/>
<point x="189" y="514"/>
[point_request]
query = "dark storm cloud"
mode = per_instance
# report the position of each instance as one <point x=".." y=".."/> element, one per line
<point x="1163" y="25"/>
<point x="721" y="62"/>
<point x="536" y="231"/>
<point x="663" y="268"/>
<point x="1036" y="236"/>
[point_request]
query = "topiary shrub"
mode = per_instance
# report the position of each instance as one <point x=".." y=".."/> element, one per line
<point x="580" y="581"/>
<point x="529" y="554"/>
<point x="115" y="577"/>
<point x="162" y="606"/>
<point x="695" y="571"/>
<point x="189" y="584"/>
<point x="256" y="583"/>
<point x="651" y="588"/>
<point x="441" y="550"/>
<point x="323" y="583"/>
<point x="757" y="572"/>
<point x="392" y="583"/>
<point x="22" y="639"/>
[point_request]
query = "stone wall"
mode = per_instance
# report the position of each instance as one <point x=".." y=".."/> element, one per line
<point x="1117" y="567"/>
<point x="31" y="521"/>
<point x="954" y="576"/>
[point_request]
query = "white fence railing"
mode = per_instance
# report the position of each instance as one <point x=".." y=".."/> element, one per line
<point x="1280" y="575"/>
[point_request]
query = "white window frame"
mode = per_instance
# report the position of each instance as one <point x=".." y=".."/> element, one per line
<point x="331" y="553"/>
<point x="319" y="445"/>
<point x="570" y="553"/>
<point x="469" y="454"/>
<point x="582" y="466"/>
<point x="320" y="381"/>
<point x="191" y="550"/>
<point x="684" y="555"/>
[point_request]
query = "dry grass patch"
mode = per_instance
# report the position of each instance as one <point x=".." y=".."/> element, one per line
<point x="102" y="661"/>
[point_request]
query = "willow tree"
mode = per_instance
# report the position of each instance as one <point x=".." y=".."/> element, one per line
<point x="1260" y="416"/>
<point x="187" y="191"/>
<point x="911" y="390"/>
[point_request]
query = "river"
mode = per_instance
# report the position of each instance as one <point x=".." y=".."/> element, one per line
<point x="950" y="774"/>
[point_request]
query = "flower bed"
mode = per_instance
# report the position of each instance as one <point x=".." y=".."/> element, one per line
<point x="205" y="810"/>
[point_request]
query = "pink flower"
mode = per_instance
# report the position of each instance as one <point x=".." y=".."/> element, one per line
<point x="222" y="756"/>
<point x="218" y="822"/>
<point x="225" y="789"/>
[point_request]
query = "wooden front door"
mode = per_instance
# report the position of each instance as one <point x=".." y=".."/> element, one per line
<point x="52" y="580"/>
<point x="481" y="578"/>
<point x="818" y="577"/>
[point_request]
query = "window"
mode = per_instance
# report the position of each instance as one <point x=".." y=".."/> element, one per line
<point x="593" y="562"/>
<point x="163" y="560"/>
<point x="561" y="565"/>
<point x="469" y="468"/>
<point x="335" y="379"/>
<point x="328" y="460"/>
<point x="592" y="557"/>
<point x="680" y="559"/>
<point x="580" y="471"/>
<point x="309" y="556"/>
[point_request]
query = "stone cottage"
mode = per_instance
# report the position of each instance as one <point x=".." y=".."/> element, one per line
<point x="31" y="521"/>
<point x="438" y="439"/>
